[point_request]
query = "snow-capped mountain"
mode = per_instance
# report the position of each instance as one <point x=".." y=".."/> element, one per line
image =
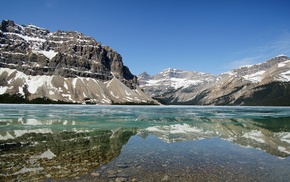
<point x="267" y="83"/>
<point x="172" y="79"/>
<point x="64" y="66"/>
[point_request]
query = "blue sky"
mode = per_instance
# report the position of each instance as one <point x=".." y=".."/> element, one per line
<point x="211" y="36"/>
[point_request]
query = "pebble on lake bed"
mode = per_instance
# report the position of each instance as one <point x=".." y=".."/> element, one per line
<point x="165" y="178"/>
<point x="95" y="174"/>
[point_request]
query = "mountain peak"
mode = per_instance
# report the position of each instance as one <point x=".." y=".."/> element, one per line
<point x="266" y="83"/>
<point x="281" y="55"/>
<point x="144" y="76"/>
<point x="168" y="70"/>
<point x="67" y="53"/>
<point x="35" y="27"/>
<point x="56" y="59"/>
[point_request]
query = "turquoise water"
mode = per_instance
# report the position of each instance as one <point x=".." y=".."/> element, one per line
<point x="148" y="143"/>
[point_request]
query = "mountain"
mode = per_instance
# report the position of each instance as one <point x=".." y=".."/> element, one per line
<point x="171" y="80"/>
<point x="267" y="83"/>
<point x="62" y="66"/>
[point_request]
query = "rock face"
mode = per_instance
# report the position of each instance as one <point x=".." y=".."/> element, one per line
<point x="63" y="66"/>
<point x="267" y="83"/>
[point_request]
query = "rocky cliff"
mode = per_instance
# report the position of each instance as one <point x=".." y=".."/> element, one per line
<point x="267" y="83"/>
<point x="62" y="66"/>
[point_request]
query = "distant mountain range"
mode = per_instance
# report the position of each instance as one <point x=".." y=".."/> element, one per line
<point x="266" y="84"/>
<point x="39" y="66"/>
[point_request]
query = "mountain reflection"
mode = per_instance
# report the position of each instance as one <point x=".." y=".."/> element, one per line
<point x="271" y="135"/>
<point x="67" y="154"/>
<point x="66" y="142"/>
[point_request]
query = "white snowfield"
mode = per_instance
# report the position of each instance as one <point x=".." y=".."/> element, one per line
<point x="174" y="82"/>
<point x="179" y="78"/>
<point x="75" y="90"/>
<point x="182" y="79"/>
<point x="285" y="76"/>
<point x="255" y="77"/>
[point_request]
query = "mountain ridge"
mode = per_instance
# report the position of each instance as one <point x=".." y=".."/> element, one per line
<point x="235" y="87"/>
<point x="63" y="49"/>
<point x="65" y="66"/>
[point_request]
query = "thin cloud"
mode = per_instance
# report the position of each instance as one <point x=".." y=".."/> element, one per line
<point x="282" y="46"/>
<point x="243" y="62"/>
<point x="262" y="53"/>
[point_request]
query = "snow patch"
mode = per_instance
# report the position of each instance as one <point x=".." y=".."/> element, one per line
<point x="153" y="82"/>
<point x="74" y="82"/>
<point x="51" y="92"/>
<point x="283" y="64"/>
<point x="281" y="55"/>
<point x="255" y="135"/>
<point x="174" y="82"/>
<point x="36" y="82"/>
<point x="285" y="76"/>
<point x="49" y="54"/>
<point x="105" y="100"/>
<point x="245" y="66"/>
<point x="3" y="90"/>
<point x="67" y="96"/>
<point x="27" y="38"/>
<point x="36" y="27"/>
<point x="231" y="73"/>
<point x="20" y="91"/>
<point x="129" y="99"/>
<point x="256" y="77"/>
<point x="65" y="85"/>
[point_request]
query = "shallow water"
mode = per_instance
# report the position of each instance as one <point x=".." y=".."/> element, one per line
<point x="144" y="143"/>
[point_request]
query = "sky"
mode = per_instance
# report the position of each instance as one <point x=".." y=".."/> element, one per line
<point x="210" y="36"/>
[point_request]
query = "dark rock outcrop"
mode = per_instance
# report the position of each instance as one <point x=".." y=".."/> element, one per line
<point x="62" y="66"/>
<point x="37" y="51"/>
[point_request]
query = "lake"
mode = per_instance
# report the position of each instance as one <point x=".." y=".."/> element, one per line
<point x="144" y="143"/>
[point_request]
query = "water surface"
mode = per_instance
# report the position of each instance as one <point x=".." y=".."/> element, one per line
<point x="148" y="143"/>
